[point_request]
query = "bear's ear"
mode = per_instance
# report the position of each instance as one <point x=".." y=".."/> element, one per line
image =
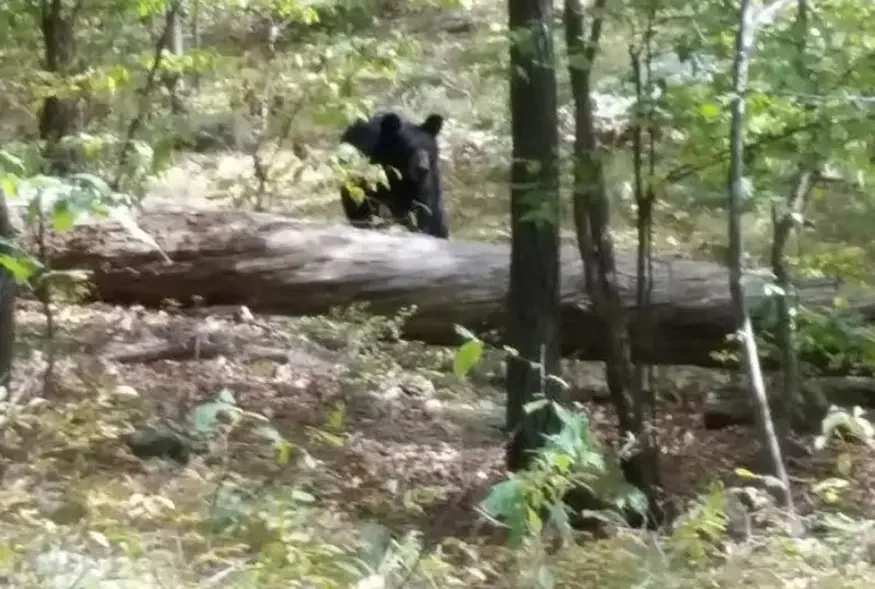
<point x="361" y="135"/>
<point x="433" y="124"/>
<point x="390" y="124"/>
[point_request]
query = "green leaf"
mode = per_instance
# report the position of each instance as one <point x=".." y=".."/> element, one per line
<point x="503" y="498"/>
<point x="226" y="396"/>
<point x="467" y="356"/>
<point x="559" y="517"/>
<point x="8" y="185"/>
<point x="283" y="451"/>
<point x="95" y="184"/>
<point x="335" y="419"/>
<point x="629" y="496"/>
<point x="710" y="110"/>
<point x="20" y="268"/>
<point x="506" y="500"/>
<point x="12" y="164"/>
<point x="204" y="416"/>
<point x="62" y="216"/>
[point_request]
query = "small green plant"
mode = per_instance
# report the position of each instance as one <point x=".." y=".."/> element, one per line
<point x="697" y="531"/>
<point x="62" y="202"/>
<point x="467" y="355"/>
<point x="570" y="459"/>
<point x="225" y="416"/>
<point x="839" y="335"/>
<point x="835" y="339"/>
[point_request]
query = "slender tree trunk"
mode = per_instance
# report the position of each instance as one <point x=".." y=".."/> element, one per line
<point x="58" y="119"/>
<point x="176" y="44"/>
<point x="8" y="292"/>
<point x="59" y="115"/>
<point x="643" y="225"/>
<point x="152" y="79"/>
<point x="799" y="406"/>
<point x="741" y="63"/>
<point x="644" y="401"/>
<point x="579" y="76"/>
<point x="590" y="187"/>
<point x="533" y="298"/>
<point x="803" y="410"/>
<point x="592" y="220"/>
<point x="196" y="36"/>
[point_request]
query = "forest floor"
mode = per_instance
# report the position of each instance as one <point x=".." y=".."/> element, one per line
<point x="383" y="434"/>
<point x="385" y="438"/>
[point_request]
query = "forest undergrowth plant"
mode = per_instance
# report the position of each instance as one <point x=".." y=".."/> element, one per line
<point x="361" y="337"/>
<point x="283" y="533"/>
<point x="570" y="461"/>
<point x="696" y="533"/>
<point x="271" y="521"/>
<point x="236" y="434"/>
<point x="839" y="335"/>
<point x="57" y="204"/>
<point x="830" y="340"/>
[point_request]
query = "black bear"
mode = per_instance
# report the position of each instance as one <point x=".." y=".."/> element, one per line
<point x="409" y="155"/>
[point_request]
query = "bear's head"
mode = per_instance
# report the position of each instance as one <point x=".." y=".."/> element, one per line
<point x="411" y="153"/>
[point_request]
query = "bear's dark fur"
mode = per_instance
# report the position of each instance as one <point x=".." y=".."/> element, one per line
<point x="409" y="155"/>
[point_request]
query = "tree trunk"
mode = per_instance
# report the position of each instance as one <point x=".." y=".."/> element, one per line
<point x="277" y="265"/>
<point x="145" y="95"/>
<point x="644" y="409"/>
<point x="800" y="408"/>
<point x="533" y="327"/>
<point x="59" y="115"/>
<point x="196" y="38"/>
<point x="592" y="220"/>
<point x="8" y="291"/>
<point x="173" y="81"/>
<point x="577" y="56"/>
<point x="743" y="47"/>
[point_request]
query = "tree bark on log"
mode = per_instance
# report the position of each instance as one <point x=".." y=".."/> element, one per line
<point x="730" y="405"/>
<point x="292" y="267"/>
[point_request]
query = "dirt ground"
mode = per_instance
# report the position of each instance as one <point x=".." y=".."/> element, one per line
<point x="418" y="447"/>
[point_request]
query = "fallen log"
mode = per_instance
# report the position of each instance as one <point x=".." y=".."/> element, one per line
<point x="731" y="405"/>
<point x="277" y="265"/>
